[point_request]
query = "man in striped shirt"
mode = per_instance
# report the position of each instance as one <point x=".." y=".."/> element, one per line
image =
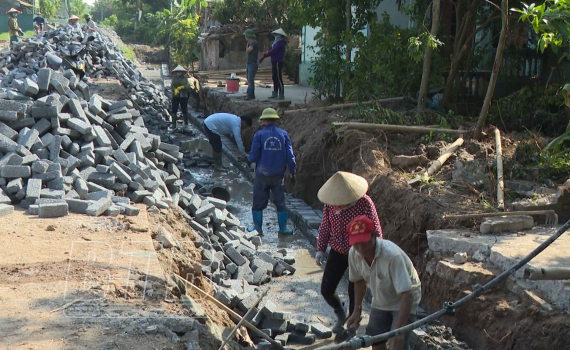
<point x="344" y="196"/>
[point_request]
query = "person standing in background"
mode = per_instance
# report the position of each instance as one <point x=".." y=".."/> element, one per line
<point x="251" y="63"/>
<point x="39" y="22"/>
<point x="13" y="28"/>
<point x="180" y="92"/>
<point x="277" y="54"/>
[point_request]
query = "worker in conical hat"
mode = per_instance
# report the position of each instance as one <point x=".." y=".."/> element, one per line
<point x="182" y="87"/>
<point x="13" y="28"/>
<point x="344" y="197"/>
<point x="277" y="54"/>
<point x="73" y="27"/>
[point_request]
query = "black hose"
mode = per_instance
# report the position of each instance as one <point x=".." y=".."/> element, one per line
<point x="449" y="307"/>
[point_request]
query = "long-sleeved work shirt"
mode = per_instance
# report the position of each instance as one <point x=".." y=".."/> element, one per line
<point x="272" y="151"/>
<point x="226" y="124"/>
<point x="333" y="229"/>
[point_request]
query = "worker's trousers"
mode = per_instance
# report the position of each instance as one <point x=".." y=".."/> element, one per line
<point x="337" y="264"/>
<point x="215" y="140"/>
<point x="277" y="75"/>
<point x="262" y="186"/>
<point x="183" y="103"/>
<point x="251" y="70"/>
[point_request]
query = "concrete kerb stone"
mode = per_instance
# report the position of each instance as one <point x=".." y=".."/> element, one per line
<point x="53" y="210"/>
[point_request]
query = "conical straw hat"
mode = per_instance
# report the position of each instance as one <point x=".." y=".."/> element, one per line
<point x="74" y="17"/>
<point x="343" y="188"/>
<point x="179" y="69"/>
<point x="279" y="31"/>
<point x="12" y="10"/>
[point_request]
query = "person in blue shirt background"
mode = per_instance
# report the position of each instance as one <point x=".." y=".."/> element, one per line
<point x="39" y="22"/>
<point x="227" y="124"/>
<point x="272" y="152"/>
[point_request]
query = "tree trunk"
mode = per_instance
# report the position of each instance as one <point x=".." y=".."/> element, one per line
<point x="496" y="68"/>
<point x="348" y="46"/>
<point x="137" y="19"/>
<point x="427" y="55"/>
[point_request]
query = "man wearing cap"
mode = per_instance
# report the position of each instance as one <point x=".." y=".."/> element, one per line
<point x="277" y="54"/>
<point x="181" y="89"/>
<point x="251" y="65"/>
<point x="393" y="280"/>
<point x="13" y="28"/>
<point x="227" y="124"/>
<point x="39" y="22"/>
<point x="344" y="197"/>
<point x="272" y="152"/>
<point x="89" y="23"/>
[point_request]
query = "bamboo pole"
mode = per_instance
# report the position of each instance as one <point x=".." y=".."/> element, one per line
<point x="231" y="312"/>
<point x="427" y="55"/>
<point x="398" y="128"/>
<point x="243" y="319"/>
<point x="547" y="273"/>
<point x="344" y="105"/>
<point x="436" y="166"/>
<point x="500" y="180"/>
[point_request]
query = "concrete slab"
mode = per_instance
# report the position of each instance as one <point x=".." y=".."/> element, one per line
<point x="505" y="250"/>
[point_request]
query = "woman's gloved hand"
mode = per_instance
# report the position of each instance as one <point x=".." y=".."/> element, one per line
<point x="320" y="258"/>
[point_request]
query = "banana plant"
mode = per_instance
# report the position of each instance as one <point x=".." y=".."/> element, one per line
<point x="559" y="142"/>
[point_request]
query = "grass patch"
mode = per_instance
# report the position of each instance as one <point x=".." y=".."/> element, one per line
<point x="5" y="36"/>
<point x="129" y="53"/>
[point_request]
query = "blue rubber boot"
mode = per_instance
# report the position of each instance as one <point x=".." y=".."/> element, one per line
<point x="257" y="222"/>
<point x="282" y="220"/>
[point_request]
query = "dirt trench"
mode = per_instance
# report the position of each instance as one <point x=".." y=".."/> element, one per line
<point x="405" y="214"/>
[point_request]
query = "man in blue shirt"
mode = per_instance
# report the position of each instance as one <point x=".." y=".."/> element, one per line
<point x="272" y="152"/>
<point x="219" y="124"/>
<point x="39" y="22"/>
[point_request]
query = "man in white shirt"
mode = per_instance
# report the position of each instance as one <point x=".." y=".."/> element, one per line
<point x="393" y="280"/>
<point x="73" y="27"/>
<point x="226" y="124"/>
<point x="89" y="23"/>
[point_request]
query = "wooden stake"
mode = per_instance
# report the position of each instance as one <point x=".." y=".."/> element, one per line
<point x="436" y="166"/>
<point x="66" y="305"/>
<point x="243" y="319"/>
<point x="397" y="128"/>
<point x="231" y="312"/>
<point x="500" y="181"/>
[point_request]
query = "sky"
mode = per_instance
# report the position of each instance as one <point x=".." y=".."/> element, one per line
<point x="89" y="2"/>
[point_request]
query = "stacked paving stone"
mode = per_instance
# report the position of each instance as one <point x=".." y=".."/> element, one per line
<point x="64" y="149"/>
<point x="277" y="324"/>
<point x="229" y="251"/>
<point x="104" y="59"/>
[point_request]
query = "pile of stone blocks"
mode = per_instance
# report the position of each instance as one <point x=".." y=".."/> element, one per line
<point x="64" y="149"/>
<point x="104" y="59"/>
<point x="229" y="251"/>
<point x="277" y="324"/>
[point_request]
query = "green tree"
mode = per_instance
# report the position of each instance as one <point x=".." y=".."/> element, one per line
<point x="341" y="24"/>
<point x="268" y="13"/>
<point x="78" y="8"/>
<point x="49" y="8"/>
<point x="550" y="20"/>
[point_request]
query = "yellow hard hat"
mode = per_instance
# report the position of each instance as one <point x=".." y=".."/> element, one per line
<point x="269" y="113"/>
